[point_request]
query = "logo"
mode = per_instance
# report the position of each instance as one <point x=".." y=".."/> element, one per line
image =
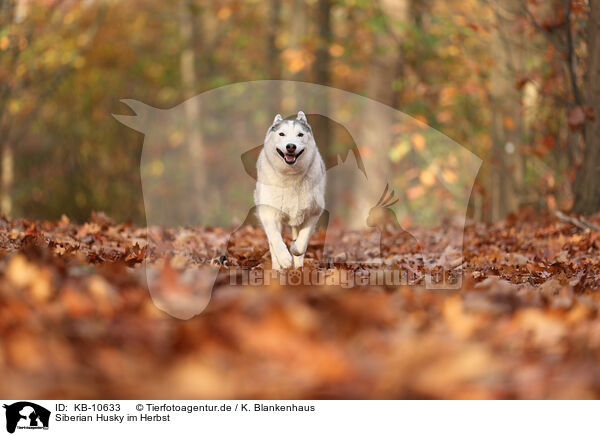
<point x="26" y="415"/>
<point x="389" y="178"/>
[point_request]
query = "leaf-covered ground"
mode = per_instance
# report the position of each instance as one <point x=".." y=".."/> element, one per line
<point x="77" y="320"/>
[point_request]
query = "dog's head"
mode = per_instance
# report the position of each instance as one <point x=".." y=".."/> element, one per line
<point x="289" y="145"/>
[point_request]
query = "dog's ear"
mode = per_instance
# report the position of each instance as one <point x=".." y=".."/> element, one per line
<point x="277" y="118"/>
<point x="302" y="117"/>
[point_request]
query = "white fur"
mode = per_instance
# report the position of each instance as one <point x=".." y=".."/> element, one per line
<point x="291" y="195"/>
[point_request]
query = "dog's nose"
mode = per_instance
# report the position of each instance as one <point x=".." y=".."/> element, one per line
<point x="290" y="148"/>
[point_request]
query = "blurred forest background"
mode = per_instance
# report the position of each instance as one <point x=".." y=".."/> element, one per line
<point x="515" y="81"/>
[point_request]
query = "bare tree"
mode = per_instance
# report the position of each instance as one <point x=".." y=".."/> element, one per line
<point x="323" y="66"/>
<point x="190" y="24"/>
<point x="587" y="182"/>
<point x="585" y="96"/>
<point x="506" y="109"/>
<point x="273" y="52"/>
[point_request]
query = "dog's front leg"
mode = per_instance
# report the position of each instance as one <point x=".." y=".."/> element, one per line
<point x="298" y="260"/>
<point x="271" y="221"/>
<point x="301" y="238"/>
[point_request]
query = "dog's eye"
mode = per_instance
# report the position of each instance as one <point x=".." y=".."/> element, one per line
<point x="301" y="134"/>
<point x="281" y="134"/>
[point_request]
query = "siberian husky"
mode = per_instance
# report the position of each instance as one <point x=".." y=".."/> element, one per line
<point x="290" y="188"/>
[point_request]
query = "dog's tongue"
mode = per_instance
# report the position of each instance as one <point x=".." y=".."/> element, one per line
<point x="290" y="157"/>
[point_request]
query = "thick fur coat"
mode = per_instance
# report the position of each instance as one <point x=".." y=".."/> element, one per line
<point x="290" y="188"/>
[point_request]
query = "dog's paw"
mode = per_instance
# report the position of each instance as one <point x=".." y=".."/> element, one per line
<point x="283" y="258"/>
<point x="295" y="250"/>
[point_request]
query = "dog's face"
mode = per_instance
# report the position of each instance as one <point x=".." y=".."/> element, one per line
<point x="289" y="144"/>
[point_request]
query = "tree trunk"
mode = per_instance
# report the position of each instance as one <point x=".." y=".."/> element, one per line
<point x="386" y="66"/>
<point x="587" y="182"/>
<point x="189" y="26"/>
<point x="13" y="11"/>
<point x="7" y="179"/>
<point x="322" y="73"/>
<point x="274" y="62"/>
<point x="322" y="69"/>
<point x="379" y="86"/>
<point x="507" y="162"/>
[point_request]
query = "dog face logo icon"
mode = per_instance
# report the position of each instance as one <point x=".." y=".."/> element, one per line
<point x="26" y="415"/>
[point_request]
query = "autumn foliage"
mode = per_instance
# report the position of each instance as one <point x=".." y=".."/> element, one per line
<point x="77" y="321"/>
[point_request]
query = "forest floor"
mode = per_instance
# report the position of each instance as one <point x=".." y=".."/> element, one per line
<point x="77" y="319"/>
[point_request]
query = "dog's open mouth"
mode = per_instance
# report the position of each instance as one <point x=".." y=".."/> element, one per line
<point x="290" y="158"/>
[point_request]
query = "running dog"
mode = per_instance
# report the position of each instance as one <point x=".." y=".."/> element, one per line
<point x="290" y="188"/>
